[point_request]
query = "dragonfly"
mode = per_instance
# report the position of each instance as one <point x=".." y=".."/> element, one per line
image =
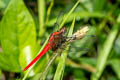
<point x="54" y="42"/>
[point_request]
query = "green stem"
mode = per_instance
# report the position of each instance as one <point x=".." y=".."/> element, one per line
<point x="104" y="53"/>
<point x="41" y="10"/>
<point x="61" y="65"/>
<point x="68" y="15"/>
<point x="49" y="11"/>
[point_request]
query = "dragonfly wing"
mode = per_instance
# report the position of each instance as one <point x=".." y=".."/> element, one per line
<point x="59" y="19"/>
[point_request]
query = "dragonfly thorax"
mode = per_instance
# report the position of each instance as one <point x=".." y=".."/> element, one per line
<point x="57" y="38"/>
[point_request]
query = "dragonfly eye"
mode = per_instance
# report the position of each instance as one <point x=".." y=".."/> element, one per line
<point x="63" y="30"/>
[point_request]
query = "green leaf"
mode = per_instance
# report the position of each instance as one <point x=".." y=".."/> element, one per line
<point x="82" y="15"/>
<point x="18" y="37"/>
<point x="42" y="12"/>
<point x="42" y="63"/>
<point x="68" y="15"/>
<point x="0" y="74"/>
<point x="117" y="45"/>
<point x="87" y="60"/>
<point x="104" y="52"/>
<point x="118" y="19"/>
<point x="0" y="32"/>
<point x="86" y="5"/>
<point x="78" y="74"/>
<point x="115" y="63"/>
<point x="3" y="3"/>
<point x="99" y="5"/>
<point x="9" y="65"/>
<point x="61" y="65"/>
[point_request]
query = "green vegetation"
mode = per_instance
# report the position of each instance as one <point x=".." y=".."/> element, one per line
<point x="25" y="27"/>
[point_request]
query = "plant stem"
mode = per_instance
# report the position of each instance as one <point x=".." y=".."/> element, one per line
<point x="68" y="15"/>
<point x="41" y="10"/>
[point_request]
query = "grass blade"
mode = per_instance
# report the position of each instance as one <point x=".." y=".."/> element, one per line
<point x="99" y="5"/>
<point x="41" y="10"/>
<point x="82" y="15"/>
<point x="49" y="11"/>
<point x="68" y="15"/>
<point x="61" y="64"/>
<point x="104" y="52"/>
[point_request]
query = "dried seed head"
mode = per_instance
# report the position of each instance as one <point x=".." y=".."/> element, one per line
<point x="81" y="33"/>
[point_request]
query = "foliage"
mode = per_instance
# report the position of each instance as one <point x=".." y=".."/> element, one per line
<point x="24" y="26"/>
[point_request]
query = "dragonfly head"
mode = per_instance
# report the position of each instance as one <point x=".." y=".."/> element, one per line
<point x="62" y="30"/>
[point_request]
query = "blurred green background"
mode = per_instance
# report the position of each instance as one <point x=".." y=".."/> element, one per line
<point x="25" y="26"/>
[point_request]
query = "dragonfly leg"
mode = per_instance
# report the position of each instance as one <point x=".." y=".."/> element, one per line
<point x="71" y="38"/>
<point x="91" y="35"/>
<point x="56" y="24"/>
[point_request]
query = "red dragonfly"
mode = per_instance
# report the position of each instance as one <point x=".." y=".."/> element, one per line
<point x="55" y="40"/>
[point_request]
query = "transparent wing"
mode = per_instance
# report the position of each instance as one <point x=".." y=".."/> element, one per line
<point x="83" y="46"/>
<point x="59" y="19"/>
